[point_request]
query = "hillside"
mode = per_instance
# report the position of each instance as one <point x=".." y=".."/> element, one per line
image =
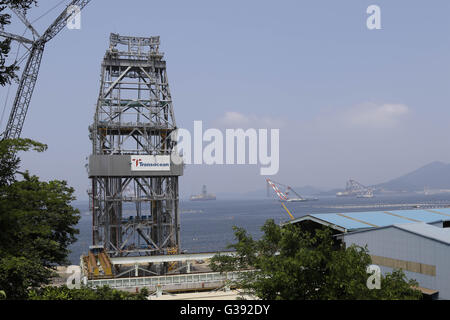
<point x="435" y="175"/>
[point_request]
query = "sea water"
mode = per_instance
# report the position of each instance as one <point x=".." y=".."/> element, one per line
<point x="208" y="226"/>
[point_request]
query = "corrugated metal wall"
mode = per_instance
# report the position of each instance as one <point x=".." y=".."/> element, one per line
<point x="402" y="245"/>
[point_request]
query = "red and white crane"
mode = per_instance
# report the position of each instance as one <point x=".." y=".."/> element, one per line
<point x="281" y="195"/>
<point x="284" y="196"/>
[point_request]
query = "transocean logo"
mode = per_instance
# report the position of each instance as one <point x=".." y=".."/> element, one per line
<point x="136" y="161"/>
<point x="235" y="146"/>
<point x="149" y="162"/>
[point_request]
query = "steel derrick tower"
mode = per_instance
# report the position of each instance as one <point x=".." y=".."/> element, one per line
<point x="132" y="167"/>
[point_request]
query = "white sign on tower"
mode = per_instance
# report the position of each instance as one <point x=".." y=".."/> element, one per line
<point x="150" y="163"/>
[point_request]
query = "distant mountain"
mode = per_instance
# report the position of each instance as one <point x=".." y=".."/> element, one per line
<point x="435" y="175"/>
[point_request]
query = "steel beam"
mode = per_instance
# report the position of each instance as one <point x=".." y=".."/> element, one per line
<point x="168" y="258"/>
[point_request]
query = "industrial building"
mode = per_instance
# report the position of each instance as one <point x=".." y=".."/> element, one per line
<point x="421" y="250"/>
<point x="356" y="221"/>
<point x="416" y="241"/>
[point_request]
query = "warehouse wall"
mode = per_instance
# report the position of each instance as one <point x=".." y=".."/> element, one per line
<point x="409" y="251"/>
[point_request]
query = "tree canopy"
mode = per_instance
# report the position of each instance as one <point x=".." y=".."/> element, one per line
<point x="289" y="263"/>
<point x="85" y="293"/>
<point x="37" y="223"/>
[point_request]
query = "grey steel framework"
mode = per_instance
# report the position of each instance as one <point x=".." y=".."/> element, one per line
<point x="31" y="71"/>
<point x="135" y="214"/>
<point x="172" y="283"/>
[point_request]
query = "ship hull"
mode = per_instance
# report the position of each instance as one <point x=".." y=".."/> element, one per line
<point x="202" y="199"/>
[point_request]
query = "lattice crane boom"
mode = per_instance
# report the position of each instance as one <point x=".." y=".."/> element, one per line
<point x="21" y="15"/>
<point x="15" y="37"/>
<point x="24" y="93"/>
<point x="61" y="21"/>
<point x="281" y="195"/>
<point x="31" y="70"/>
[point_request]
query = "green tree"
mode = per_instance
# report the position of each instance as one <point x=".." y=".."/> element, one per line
<point x="8" y="72"/>
<point x="37" y="223"/>
<point x="10" y="162"/>
<point x="85" y="293"/>
<point x="289" y="263"/>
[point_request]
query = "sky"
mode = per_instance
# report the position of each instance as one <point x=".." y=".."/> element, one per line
<point x="349" y="102"/>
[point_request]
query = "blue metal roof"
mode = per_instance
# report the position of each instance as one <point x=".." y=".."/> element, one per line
<point x="335" y="219"/>
<point x="351" y="221"/>
<point x="426" y="230"/>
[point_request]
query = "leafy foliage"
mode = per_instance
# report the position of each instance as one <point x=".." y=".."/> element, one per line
<point x="36" y="220"/>
<point x="289" y="263"/>
<point x="85" y="293"/>
<point x="10" y="162"/>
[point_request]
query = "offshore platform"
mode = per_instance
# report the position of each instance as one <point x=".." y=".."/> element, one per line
<point x="204" y="196"/>
<point x="134" y="170"/>
<point x="134" y="192"/>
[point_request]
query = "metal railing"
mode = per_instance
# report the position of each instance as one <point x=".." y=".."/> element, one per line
<point x="162" y="281"/>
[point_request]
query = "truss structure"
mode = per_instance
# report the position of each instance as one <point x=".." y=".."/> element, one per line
<point x="353" y="187"/>
<point x="30" y="73"/>
<point x="134" y="213"/>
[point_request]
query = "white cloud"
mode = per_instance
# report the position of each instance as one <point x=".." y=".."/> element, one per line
<point x="370" y="142"/>
<point x="376" y="116"/>
<point x="234" y="119"/>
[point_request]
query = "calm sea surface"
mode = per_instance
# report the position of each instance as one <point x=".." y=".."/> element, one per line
<point x="207" y="226"/>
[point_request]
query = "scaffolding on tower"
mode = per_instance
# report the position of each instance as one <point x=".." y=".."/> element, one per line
<point x="135" y="200"/>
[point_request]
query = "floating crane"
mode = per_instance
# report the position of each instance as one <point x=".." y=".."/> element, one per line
<point x="354" y="188"/>
<point x="30" y="73"/>
<point x="284" y="196"/>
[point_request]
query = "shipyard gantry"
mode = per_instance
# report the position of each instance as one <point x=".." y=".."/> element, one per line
<point x="354" y="188"/>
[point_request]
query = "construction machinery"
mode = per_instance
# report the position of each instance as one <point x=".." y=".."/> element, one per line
<point x="282" y="196"/>
<point x="285" y="196"/>
<point x="356" y="189"/>
<point x="30" y="73"/>
<point x="97" y="264"/>
<point x="288" y="212"/>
